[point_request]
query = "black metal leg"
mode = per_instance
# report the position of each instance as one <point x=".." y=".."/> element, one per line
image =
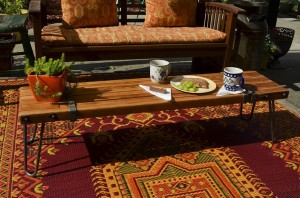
<point x="251" y="113"/>
<point x="31" y="140"/>
<point x="272" y="118"/>
<point x="27" y="143"/>
<point x="271" y="112"/>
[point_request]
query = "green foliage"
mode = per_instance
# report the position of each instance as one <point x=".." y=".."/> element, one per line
<point x="13" y="6"/>
<point x="42" y="92"/>
<point x="49" y="67"/>
<point x="270" y="47"/>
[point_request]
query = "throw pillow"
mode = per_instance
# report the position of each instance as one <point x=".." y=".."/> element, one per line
<point x="89" y="13"/>
<point x="170" y="13"/>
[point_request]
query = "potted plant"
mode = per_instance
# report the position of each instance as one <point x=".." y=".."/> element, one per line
<point x="270" y="49"/>
<point x="48" y="78"/>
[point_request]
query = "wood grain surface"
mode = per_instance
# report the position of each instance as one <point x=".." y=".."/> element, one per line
<point x="115" y="97"/>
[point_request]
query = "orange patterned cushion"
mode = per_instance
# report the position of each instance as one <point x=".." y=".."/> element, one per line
<point x="128" y="34"/>
<point x="170" y="13"/>
<point x="89" y="13"/>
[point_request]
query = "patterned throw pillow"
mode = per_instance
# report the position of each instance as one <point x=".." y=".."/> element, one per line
<point x="89" y="13"/>
<point x="170" y="13"/>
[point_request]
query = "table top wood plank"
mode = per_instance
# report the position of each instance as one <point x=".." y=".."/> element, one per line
<point x="123" y="96"/>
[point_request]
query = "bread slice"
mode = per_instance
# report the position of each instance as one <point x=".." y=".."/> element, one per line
<point x="200" y="82"/>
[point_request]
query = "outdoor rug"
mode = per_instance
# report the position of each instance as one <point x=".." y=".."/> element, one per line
<point x="198" y="152"/>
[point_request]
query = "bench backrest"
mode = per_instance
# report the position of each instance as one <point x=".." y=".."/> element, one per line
<point x="218" y="16"/>
<point x="134" y="11"/>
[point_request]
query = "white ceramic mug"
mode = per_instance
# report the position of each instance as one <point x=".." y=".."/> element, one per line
<point x="233" y="78"/>
<point x="159" y="70"/>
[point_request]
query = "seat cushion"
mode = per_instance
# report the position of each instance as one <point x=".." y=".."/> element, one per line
<point x="171" y="13"/>
<point x="89" y="13"/>
<point x="128" y="34"/>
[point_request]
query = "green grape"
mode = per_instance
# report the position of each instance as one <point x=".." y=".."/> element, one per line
<point x="184" y="83"/>
<point x="185" y="89"/>
<point x="193" y="89"/>
<point x="190" y="84"/>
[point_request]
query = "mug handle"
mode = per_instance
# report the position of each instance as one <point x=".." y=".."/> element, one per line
<point x="242" y="81"/>
<point x="168" y="69"/>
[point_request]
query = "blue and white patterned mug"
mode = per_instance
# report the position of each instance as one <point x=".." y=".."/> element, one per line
<point x="159" y="70"/>
<point x="233" y="78"/>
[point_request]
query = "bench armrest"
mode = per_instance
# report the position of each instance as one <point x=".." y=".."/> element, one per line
<point x="34" y="7"/>
<point x="227" y="7"/>
<point x="222" y="17"/>
<point x="219" y="16"/>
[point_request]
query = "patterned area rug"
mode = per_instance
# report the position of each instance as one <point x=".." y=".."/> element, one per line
<point x="199" y="152"/>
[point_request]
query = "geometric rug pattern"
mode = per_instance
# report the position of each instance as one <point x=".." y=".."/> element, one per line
<point x="197" y="152"/>
<point x="209" y="174"/>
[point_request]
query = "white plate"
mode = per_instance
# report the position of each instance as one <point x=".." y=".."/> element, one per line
<point x="176" y="81"/>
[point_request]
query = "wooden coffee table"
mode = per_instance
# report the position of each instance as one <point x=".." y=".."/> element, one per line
<point x="115" y="97"/>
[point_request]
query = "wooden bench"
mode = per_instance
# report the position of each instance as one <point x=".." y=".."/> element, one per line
<point x="115" y="97"/>
<point x="213" y="15"/>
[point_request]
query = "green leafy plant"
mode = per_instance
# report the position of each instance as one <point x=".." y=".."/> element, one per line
<point x="13" y="6"/>
<point x="42" y="92"/>
<point x="270" y="50"/>
<point x="49" y="67"/>
<point x="270" y="47"/>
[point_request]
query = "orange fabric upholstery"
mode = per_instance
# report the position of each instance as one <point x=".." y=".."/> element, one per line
<point x="128" y="34"/>
<point x="89" y="13"/>
<point x="170" y="13"/>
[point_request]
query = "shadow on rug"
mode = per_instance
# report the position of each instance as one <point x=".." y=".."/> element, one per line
<point x="199" y="152"/>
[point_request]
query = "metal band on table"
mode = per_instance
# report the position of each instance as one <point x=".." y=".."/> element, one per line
<point x="28" y="142"/>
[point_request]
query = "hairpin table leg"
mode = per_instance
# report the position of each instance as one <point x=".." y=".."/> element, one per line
<point x="272" y="118"/>
<point x="32" y="138"/>
<point x="251" y="113"/>
<point x="27" y="143"/>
